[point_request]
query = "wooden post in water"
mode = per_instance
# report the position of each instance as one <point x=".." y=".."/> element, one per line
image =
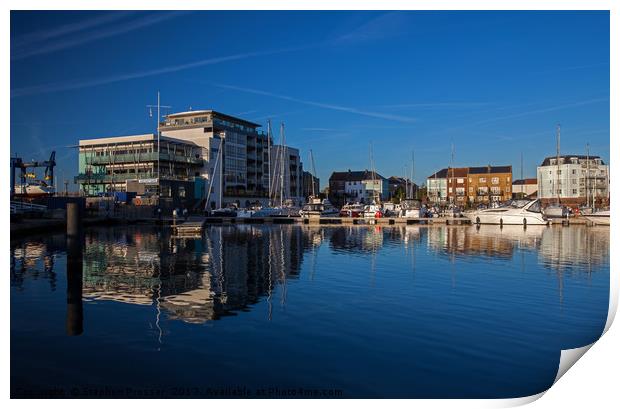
<point x="74" y="220"/>
<point x="75" y="317"/>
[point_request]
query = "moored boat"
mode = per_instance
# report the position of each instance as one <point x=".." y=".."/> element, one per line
<point x="521" y="212"/>
<point x="600" y="217"/>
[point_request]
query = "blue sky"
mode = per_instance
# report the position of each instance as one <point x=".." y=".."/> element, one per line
<point x="494" y="84"/>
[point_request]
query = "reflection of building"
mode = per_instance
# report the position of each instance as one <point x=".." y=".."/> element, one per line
<point x="574" y="179"/>
<point x="578" y="246"/>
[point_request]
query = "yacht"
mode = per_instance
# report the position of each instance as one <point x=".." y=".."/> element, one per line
<point x="599" y="217"/>
<point x="555" y="211"/>
<point x="352" y="210"/>
<point x="319" y="208"/>
<point x="34" y="188"/>
<point x="522" y="212"/>
<point x="410" y="208"/>
<point x="373" y="211"/>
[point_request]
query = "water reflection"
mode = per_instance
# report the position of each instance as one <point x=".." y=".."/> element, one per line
<point x="231" y="268"/>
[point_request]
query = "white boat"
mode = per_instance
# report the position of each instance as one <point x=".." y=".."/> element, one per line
<point x="352" y="210"/>
<point x="600" y="217"/>
<point x="373" y="211"/>
<point x="36" y="188"/>
<point x="410" y="208"/>
<point x="555" y="211"/>
<point x="318" y="208"/>
<point x="522" y="212"/>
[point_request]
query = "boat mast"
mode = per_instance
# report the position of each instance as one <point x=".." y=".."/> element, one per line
<point x="313" y="172"/>
<point x="282" y="169"/>
<point x="412" y="173"/>
<point x="269" y="159"/>
<point x="452" y="179"/>
<point x="587" y="174"/>
<point x="557" y="163"/>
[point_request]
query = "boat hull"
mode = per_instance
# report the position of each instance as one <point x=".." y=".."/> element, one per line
<point x="507" y="219"/>
<point x="601" y="218"/>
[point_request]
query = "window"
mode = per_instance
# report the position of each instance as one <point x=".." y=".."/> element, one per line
<point x="181" y="191"/>
<point x="495" y="181"/>
<point x="482" y="180"/>
<point x="508" y="179"/>
<point x="460" y="180"/>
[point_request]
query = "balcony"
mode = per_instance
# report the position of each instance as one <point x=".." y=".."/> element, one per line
<point x="141" y="158"/>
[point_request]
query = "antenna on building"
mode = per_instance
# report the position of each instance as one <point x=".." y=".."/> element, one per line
<point x="158" y="106"/>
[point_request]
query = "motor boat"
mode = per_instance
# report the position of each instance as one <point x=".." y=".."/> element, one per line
<point x="555" y="211"/>
<point x="33" y="189"/>
<point x="518" y="211"/>
<point x="318" y="208"/>
<point x="599" y="217"/>
<point x="373" y="211"/>
<point x="410" y="208"/>
<point x="352" y="210"/>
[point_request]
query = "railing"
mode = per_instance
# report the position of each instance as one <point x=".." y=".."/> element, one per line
<point x="23" y="207"/>
<point x="143" y="157"/>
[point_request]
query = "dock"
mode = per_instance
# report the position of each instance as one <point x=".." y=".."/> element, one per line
<point x="336" y="220"/>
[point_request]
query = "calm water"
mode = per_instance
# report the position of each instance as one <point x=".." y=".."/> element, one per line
<point x="290" y="311"/>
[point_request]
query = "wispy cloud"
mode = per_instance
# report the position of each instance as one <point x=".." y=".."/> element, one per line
<point x="109" y="31"/>
<point x="433" y="105"/>
<point x="317" y="129"/>
<point x="86" y="83"/>
<point x="332" y="107"/>
<point x="48" y="34"/>
<point x="384" y="26"/>
<point x="543" y="110"/>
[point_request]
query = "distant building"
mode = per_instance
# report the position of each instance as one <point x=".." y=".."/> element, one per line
<point x="470" y="185"/>
<point x="396" y="183"/>
<point x="524" y="188"/>
<point x="310" y="185"/>
<point x="489" y="184"/>
<point x="575" y="179"/>
<point x="357" y="186"/>
<point x="135" y="164"/>
<point x="288" y="175"/>
<point x="437" y="186"/>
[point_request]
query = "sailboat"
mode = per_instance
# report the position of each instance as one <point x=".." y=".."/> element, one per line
<point x="556" y="210"/>
<point x="286" y="207"/>
<point x="315" y="206"/>
<point x="373" y="210"/>
<point x="410" y="207"/>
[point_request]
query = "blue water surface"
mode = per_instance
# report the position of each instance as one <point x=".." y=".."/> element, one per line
<point x="298" y="311"/>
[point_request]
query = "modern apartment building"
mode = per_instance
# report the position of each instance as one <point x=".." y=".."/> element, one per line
<point x="136" y="163"/>
<point x="470" y="185"/>
<point x="286" y="174"/>
<point x="573" y="179"/>
<point x="241" y="167"/>
<point x="357" y="186"/>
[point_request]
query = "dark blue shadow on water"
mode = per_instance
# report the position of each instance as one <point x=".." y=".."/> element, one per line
<point x="297" y="311"/>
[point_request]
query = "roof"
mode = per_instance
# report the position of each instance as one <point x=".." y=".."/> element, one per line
<point x="354" y="176"/>
<point x="449" y="172"/>
<point x="215" y="113"/>
<point x="463" y="172"/>
<point x="490" y="169"/>
<point x="547" y="160"/>
<point x="131" y="138"/>
<point x="525" y="181"/>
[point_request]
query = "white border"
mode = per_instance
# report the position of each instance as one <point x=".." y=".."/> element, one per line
<point x="592" y="383"/>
